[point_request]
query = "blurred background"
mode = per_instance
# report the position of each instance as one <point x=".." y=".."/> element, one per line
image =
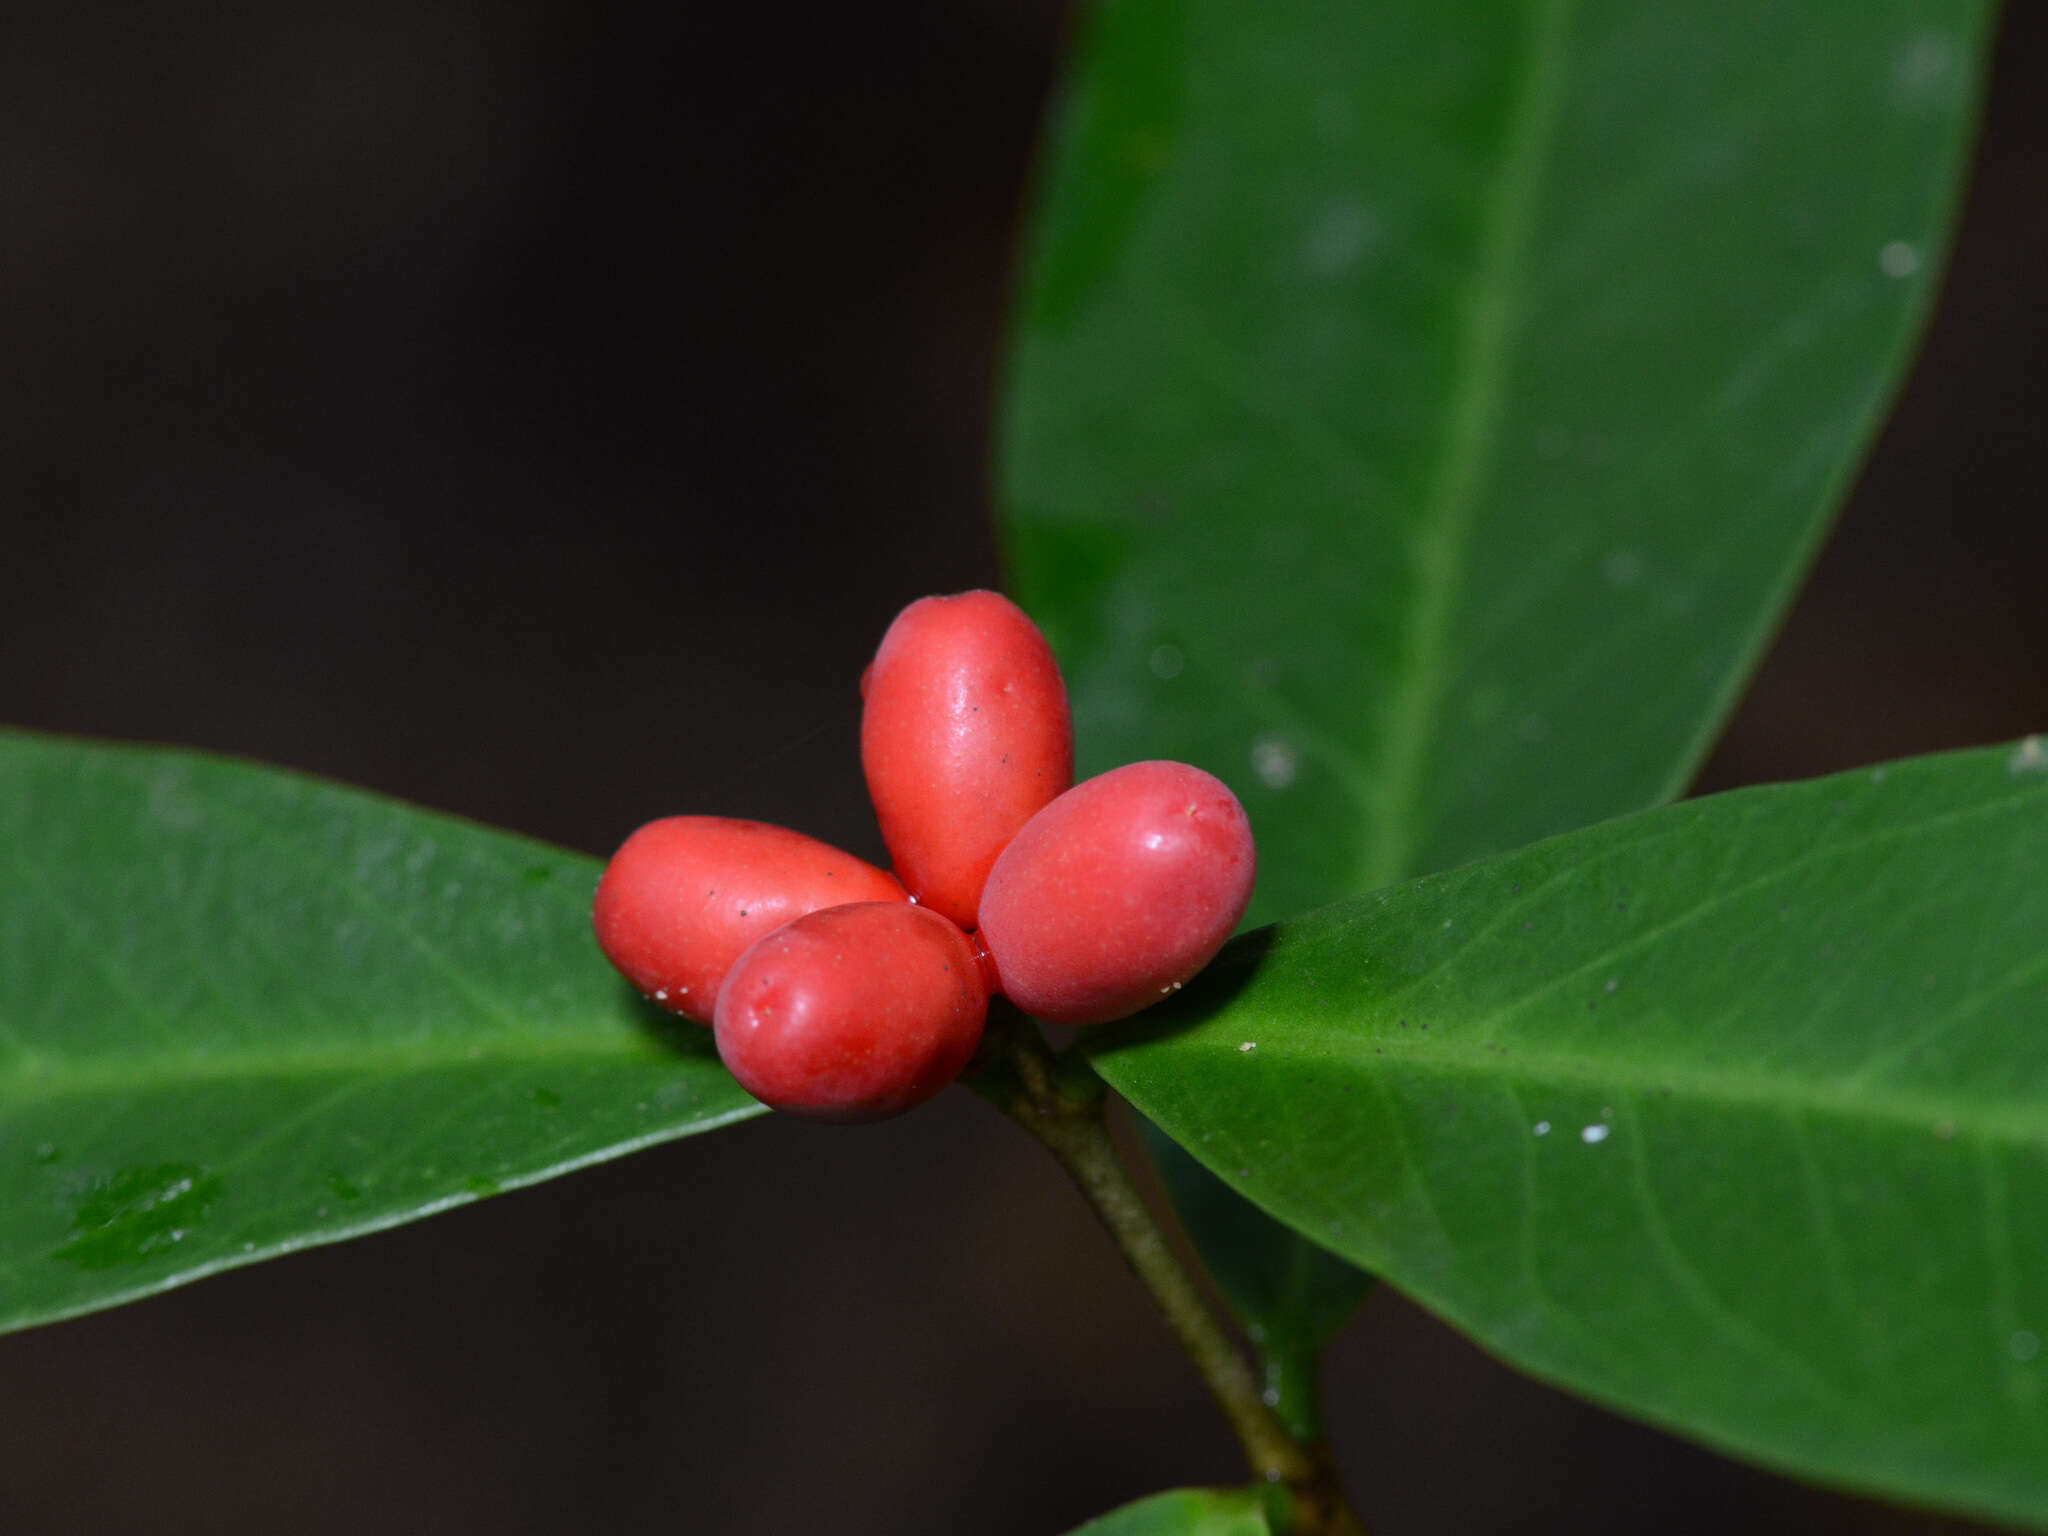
<point x="537" y="411"/>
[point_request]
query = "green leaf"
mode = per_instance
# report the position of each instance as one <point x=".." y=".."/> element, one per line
<point x="243" y="1011"/>
<point x="1420" y="415"/>
<point x="1731" y="1115"/>
<point x="1187" y="1512"/>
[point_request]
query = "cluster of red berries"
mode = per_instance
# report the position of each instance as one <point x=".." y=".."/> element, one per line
<point x="841" y="991"/>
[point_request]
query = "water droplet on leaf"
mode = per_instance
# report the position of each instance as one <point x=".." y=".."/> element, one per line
<point x="137" y="1214"/>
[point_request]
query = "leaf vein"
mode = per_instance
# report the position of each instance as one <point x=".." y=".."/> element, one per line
<point x="1445" y="531"/>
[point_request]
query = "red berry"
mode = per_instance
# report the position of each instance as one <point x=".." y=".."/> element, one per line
<point x="685" y="895"/>
<point x="964" y="736"/>
<point x="1118" y="892"/>
<point x="852" y="1013"/>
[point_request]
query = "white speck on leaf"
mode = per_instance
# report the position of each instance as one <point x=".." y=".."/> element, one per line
<point x="1621" y="568"/>
<point x="169" y="806"/>
<point x="1542" y="1127"/>
<point x="2030" y="756"/>
<point x="1924" y="71"/>
<point x="1898" y="259"/>
<point x="1275" y="761"/>
<point x="1248" y="1047"/>
<point x="1594" y="1134"/>
<point x="1343" y="232"/>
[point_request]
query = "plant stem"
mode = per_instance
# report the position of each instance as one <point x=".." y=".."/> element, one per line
<point x="1061" y="1102"/>
<point x="1084" y="1149"/>
<point x="1288" y="1380"/>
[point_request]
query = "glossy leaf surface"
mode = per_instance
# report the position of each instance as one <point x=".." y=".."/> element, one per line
<point x="1731" y="1115"/>
<point x="243" y="1011"/>
<point x="1187" y="1512"/>
<point x="1420" y="414"/>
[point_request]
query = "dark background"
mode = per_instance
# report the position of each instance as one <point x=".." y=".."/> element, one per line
<point x="538" y="411"/>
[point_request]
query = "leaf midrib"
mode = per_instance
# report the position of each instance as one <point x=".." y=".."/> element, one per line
<point x="37" y="1078"/>
<point x="2015" y="1121"/>
<point x="1444" y="533"/>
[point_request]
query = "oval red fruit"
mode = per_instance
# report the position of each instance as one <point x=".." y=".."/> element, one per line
<point x="1118" y="892"/>
<point x="852" y="1013"/>
<point x="964" y="735"/>
<point x="685" y="895"/>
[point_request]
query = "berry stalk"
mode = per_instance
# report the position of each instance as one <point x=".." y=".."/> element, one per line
<point x="1061" y="1102"/>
